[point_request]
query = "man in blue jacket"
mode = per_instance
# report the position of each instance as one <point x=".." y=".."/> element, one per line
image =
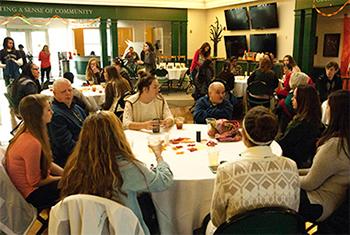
<point x="66" y="121"/>
<point x="213" y="105"/>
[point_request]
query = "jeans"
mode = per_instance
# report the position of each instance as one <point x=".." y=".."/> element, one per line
<point x="11" y="71"/>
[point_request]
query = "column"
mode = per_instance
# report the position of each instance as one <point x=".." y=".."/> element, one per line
<point x="183" y="38"/>
<point x="309" y="38"/>
<point x="175" y="38"/>
<point x="298" y="36"/>
<point x="114" y="37"/>
<point x="104" y="43"/>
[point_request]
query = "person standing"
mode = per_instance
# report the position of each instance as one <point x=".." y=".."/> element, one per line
<point x="199" y="57"/>
<point x="149" y="58"/>
<point x="10" y="60"/>
<point x="44" y="57"/>
<point x="22" y="54"/>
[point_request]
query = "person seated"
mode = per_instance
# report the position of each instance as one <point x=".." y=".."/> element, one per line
<point x="288" y="59"/>
<point x="66" y="123"/>
<point x="236" y="69"/>
<point x="213" y="105"/>
<point x="117" y="87"/>
<point x="329" y="81"/>
<point x="299" y="140"/>
<point x="27" y="84"/>
<point x="94" y="74"/>
<point x="118" y="64"/>
<point x="324" y="186"/>
<point x="79" y="98"/>
<point x="241" y="186"/>
<point x="28" y="158"/>
<point x="283" y="91"/>
<point x="227" y="76"/>
<point x="147" y="104"/>
<point x="102" y="164"/>
<point x="266" y="75"/>
<point x="285" y="110"/>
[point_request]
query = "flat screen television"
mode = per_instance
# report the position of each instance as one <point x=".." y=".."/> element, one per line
<point x="263" y="43"/>
<point x="237" y="18"/>
<point x="263" y="16"/>
<point x="235" y="45"/>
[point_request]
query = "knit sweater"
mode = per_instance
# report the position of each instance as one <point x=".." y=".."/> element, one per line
<point x="258" y="179"/>
<point x="328" y="178"/>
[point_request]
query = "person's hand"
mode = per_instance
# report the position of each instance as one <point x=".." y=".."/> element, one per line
<point x="167" y="123"/>
<point x="140" y="62"/>
<point x="149" y="124"/>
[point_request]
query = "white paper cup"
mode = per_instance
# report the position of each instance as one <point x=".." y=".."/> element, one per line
<point x="213" y="156"/>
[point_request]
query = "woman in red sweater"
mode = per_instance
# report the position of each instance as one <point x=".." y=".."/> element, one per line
<point x="29" y="157"/>
<point x="44" y="57"/>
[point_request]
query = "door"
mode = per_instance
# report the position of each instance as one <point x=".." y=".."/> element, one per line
<point x="124" y="34"/>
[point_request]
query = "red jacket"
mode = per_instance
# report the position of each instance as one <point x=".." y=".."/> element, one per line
<point x="45" y="59"/>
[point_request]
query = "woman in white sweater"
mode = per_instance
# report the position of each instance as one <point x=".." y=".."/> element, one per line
<point x="146" y="105"/>
<point x="325" y="185"/>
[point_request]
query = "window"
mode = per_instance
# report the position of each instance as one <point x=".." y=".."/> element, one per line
<point x="92" y="41"/>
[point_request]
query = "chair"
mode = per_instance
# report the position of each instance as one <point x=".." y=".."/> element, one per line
<point x="258" y="93"/>
<point x="88" y="214"/>
<point x="163" y="77"/>
<point x="269" y="220"/>
<point x="185" y="75"/>
<point x="16" y="214"/>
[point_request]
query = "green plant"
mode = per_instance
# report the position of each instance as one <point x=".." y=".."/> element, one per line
<point x="215" y="35"/>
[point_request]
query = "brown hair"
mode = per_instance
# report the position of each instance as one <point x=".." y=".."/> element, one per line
<point x="145" y="80"/>
<point x="333" y="64"/>
<point x="308" y="105"/>
<point x="92" y="168"/>
<point x="339" y="123"/>
<point x="31" y="110"/>
<point x="202" y="49"/>
<point x="261" y="125"/>
<point x="120" y="84"/>
<point x="265" y="64"/>
<point x="89" y="73"/>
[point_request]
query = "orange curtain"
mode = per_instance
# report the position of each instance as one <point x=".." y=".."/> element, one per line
<point x="345" y="57"/>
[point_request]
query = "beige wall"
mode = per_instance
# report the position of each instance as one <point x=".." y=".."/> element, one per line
<point x="199" y="22"/>
<point x="325" y="25"/>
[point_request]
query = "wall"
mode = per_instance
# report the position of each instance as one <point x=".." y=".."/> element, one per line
<point x="285" y="32"/>
<point x="325" y="25"/>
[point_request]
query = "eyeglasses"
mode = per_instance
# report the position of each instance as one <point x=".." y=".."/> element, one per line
<point x="35" y="68"/>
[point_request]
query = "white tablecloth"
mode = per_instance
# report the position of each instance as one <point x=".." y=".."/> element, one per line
<point x="182" y="207"/>
<point x="97" y="97"/>
<point x="240" y="86"/>
<point x="175" y="73"/>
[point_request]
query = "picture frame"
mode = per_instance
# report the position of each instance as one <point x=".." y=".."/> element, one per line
<point x="331" y="45"/>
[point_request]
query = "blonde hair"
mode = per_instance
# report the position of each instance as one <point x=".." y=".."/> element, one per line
<point x="31" y="110"/>
<point x="89" y="73"/>
<point x="92" y="168"/>
<point x="298" y="79"/>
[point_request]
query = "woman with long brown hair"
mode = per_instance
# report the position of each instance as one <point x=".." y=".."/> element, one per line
<point x="326" y="183"/>
<point x="116" y="88"/>
<point x="299" y="140"/>
<point x="94" y="74"/>
<point x="45" y="67"/>
<point x="103" y="164"/>
<point x="29" y="157"/>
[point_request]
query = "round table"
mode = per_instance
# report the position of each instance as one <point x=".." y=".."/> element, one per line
<point x="182" y="207"/>
<point x="96" y="96"/>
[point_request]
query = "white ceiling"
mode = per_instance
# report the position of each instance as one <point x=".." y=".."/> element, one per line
<point x="190" y="4"/>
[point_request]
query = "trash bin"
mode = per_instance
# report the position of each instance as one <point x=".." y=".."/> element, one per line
<point x="65" y="65"/>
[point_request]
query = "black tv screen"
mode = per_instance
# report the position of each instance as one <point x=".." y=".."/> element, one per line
<point x="263" y="16"/>
<point x="237" y="18"/>
<point x="263" y="43"/>
<point x="235" y="45"/>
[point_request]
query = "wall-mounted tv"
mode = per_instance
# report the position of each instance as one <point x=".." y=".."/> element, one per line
<point x="237" y="18"/>
<point x="263" y="43"/>
<point x="263" y="16"/>
<point x="235" y="45"/>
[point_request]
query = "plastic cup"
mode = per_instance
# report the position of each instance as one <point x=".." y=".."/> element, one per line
<point x="154" y="140"/>
<point x="93" y="88"/>
<point x="156" y="125"/>
<point x="179" y="121"/>
<point x="213" y="156"/>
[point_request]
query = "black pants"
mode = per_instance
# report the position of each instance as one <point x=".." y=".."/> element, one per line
<point x="310" y="212"/>
<point x="148" y="212"/>
<point x="47" y="72"/>
<point x="44" y="196"/>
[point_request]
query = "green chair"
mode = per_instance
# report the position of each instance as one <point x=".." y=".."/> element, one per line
<point x="163" y="78"/>
<point x="269" y="220"/>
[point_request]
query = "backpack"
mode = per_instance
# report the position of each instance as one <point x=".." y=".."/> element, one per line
<point x="12" y="93"/>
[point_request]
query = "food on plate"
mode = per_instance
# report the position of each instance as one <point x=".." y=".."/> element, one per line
<point x="181" y="152"/>
<point x="191" y="145"/>
<point x="192" y="149"/>
<point x="181" y="140"/>
<point x="211" y="143"/>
